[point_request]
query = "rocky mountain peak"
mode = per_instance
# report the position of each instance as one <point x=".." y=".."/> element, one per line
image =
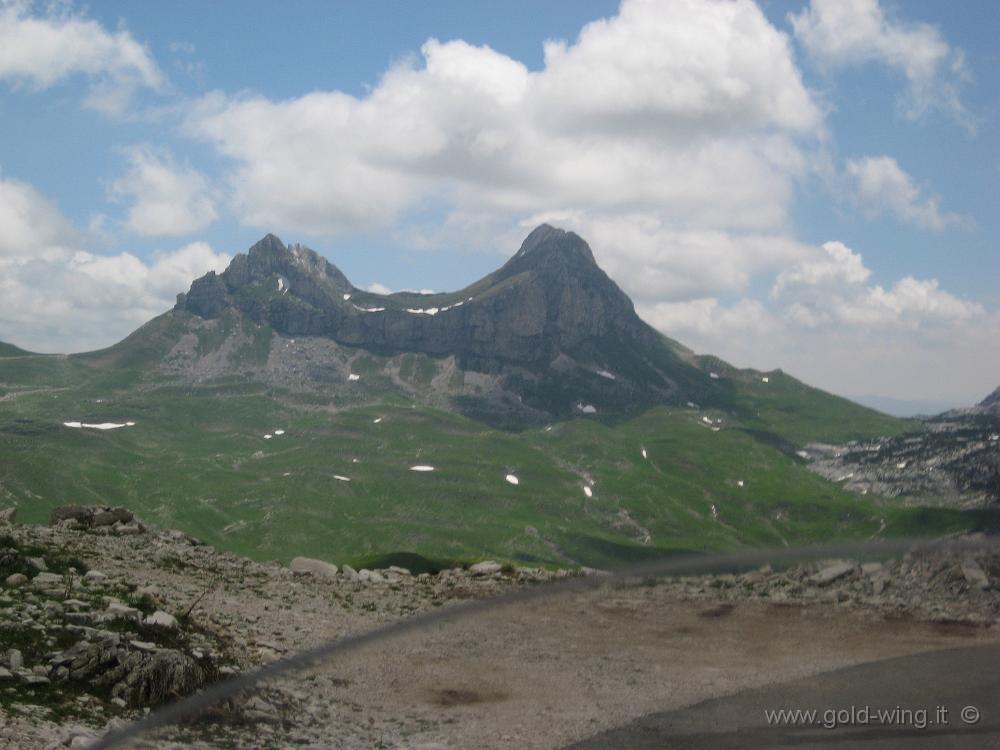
<point x="992" y="400"/>
<point x="549" y="324"/>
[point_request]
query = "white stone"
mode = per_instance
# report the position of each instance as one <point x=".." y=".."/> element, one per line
<point x="317" y="568"/>
<point x="161" y="619"/>
<point x="485" y="568"/>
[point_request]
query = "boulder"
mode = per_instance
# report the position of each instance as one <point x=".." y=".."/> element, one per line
<point x="318" y="568"/>
<point x="349" y="573"/>
<point x="15" y="659"/>
<point x="485" y="568"/>
<point x="16" y="579"/>
<point x="974" y="574"/>
<point x="7" y="516"/>
<point x="832" y="572"/>
<point x="47" y="580"/>
<point x="161" y="619"/>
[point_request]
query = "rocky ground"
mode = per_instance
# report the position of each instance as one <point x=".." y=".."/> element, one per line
<point x="954" y="460"/>
<point x="103" y="619"/>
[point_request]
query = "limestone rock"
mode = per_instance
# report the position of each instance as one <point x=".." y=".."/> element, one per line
<point x="317" y="568"/>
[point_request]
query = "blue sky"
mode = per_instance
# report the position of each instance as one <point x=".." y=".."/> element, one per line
<point x="806" y="185"/>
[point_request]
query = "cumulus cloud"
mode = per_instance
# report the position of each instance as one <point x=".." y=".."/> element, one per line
<point x="840" y="33"/>
<point x="878" y="185"/>
<point x="42" y="45"/>
<point x="831" y="288"/>
<point x="690" y="109"/>
<point x="57" y="296"/>
<point x="167" y="198"/>
<point x="827" y="323"/>
<point x="708" y="318"/>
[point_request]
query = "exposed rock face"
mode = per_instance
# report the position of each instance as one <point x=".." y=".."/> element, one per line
<point x="550" y="323"/>
<point x="956" y="456"/>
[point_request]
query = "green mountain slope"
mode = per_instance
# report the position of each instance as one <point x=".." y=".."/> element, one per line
<point x="625" y="444"/>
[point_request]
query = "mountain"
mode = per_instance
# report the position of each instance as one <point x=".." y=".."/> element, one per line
<point x="549" y="333"/>
<point x="953" y="458"/>
<point x="9" y="350"/>
<point x="278" y="410"/>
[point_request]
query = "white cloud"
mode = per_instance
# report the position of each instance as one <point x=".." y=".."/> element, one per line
<point x="831" y="289"/>
<point x="57" y="296"/>
<point x="878" y="185"/>
<point x="706" y="317"/>
<point x="693" y="111"/>
<point x="839" y="33"/>
<point x="168" y="199"/>
<point x="41" y="46"/>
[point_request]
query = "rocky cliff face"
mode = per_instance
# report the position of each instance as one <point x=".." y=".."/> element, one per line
<point x="549" y="324"/>
<point x="955" y="458"/>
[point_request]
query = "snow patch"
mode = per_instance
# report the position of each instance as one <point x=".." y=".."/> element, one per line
<point x="765" y="379"/>
<point x="901" y="465"/>
<point x="715" y="512"/>
<point x="644" y="455"/>
<point x="713" y="375"/>
<point x="353" y="377"/>
<point x="739" y="482"/>
<point x="368" y="309"/>
<point x="421" y="467"/>
<point x="376" y="420"/>
<point x="279" y="432"/>
<point x="99" y="425"/>
<point x="346" y="297"/>
<point x="340" y="478"/>
<point x="994" y="437"/>
<point x="281" y="285"/>
<point x="268" y="436"/>
<point x="419" y="311"/>
<point x="802" y="454"/>
<point x="512" y="479"/>
<point x="587" y="408"/>
<point x="706" y="420"/>
<point x="587" y="491"/>
<point x="606" y="374"/>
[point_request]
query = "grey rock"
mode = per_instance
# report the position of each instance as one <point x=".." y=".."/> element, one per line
<point x="161" y="619"/>
<point x="15" y="659"/>
<point x="38" y="563"/>
<point x="317" y="568"/>
<point x="974" y="574"/>
<point x="7" y="516"/>
<point x="485" y="568"/>
<point x="348" y="572"/>
<point x="16" y="579"/>
<point x="550" y="313"/>
<point x="6" y="675"/>
<point x="117" y="609"/>
<point x="832" y="572"/>
<point x="47" y="580"/>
